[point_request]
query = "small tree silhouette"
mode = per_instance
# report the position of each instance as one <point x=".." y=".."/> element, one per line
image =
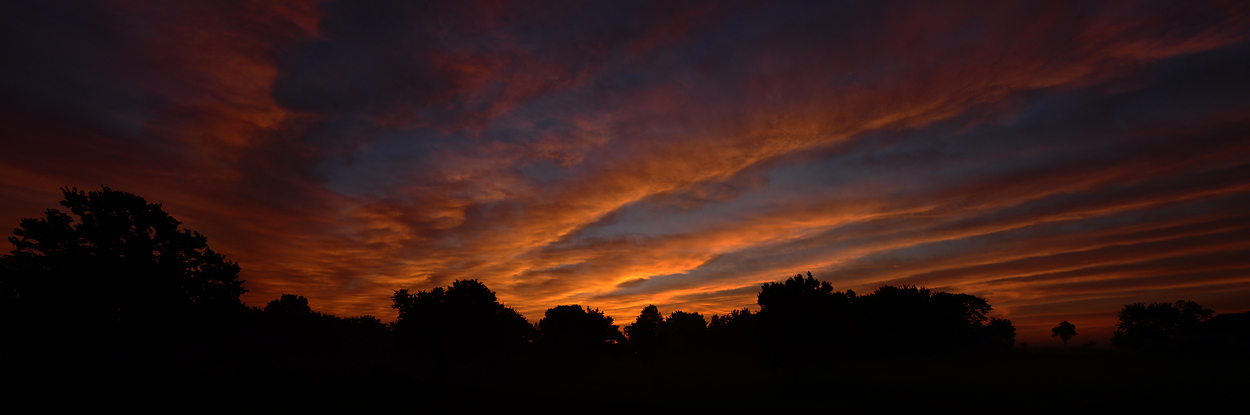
<point x="1064" y="331"/>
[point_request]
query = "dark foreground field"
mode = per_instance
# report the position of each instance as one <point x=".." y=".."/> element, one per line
<point x="1044" y="381"/>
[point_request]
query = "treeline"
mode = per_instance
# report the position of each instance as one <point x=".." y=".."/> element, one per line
<point x="1183" y="326"/>
<point x="799" y="312"/>
<point x="467" y="318"/>
<point x="466" y="321"/>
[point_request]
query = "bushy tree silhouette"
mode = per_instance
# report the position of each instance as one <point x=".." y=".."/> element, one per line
<point x="678" y="333"/>
<point x="1225" y="333"/>
<point x="1158" y="326"/>
<point x="736" y="331"/>
<point x="915" y="318"/>
<point x="570" y="328"/>
<point x="999" y="334"/>
<point x="684" y="332"/>
<point x="465" y="317"/>
<point x="804" y="312"/>
<point x="289" y="304"/>
<point x="1064" y="331"/>
<point x="114" y="266"/>
<point x="644" y="333"/>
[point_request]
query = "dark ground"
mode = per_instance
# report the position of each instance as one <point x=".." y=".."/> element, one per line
<point x="1037" y="381"/>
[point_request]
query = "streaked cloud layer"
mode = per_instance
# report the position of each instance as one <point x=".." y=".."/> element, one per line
<point x="1058" y="159"/>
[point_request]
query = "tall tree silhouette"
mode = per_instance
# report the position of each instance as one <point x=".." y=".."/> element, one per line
<point x="1064" y="331"/>
<point x="465" y="317"/>
<point x="644" y="333"/>
<point x="115" y="265"/>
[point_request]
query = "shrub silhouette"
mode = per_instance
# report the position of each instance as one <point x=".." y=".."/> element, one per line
<point x="144" y="276"/>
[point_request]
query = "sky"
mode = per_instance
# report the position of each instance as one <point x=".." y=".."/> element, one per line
<point x="1060" y="159"/>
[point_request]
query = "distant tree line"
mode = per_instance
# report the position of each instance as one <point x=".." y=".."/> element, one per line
<point x="121" y="272"/>
<point x="807" y="313"/>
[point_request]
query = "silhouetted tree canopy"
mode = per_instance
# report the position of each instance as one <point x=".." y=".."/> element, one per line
<point x="998" y="334"/>
<point x="289" y="304"/>
<point x="1064" y="331"/>
<point x="570" y="328"/>
<point x="113" y="263"/>
<point x="909" y="317"/>
<point x="465" y="316"/>
<point x="680" y="331"/>
<point x="738" y="330"/>
<point x="804" y="312"/>
<point x="1158" y="326"/>
<point x="1226" y="333"/>
<point x="802" y="296"/>
<point x="644" y="333"/>
<point x="684" y="332"/>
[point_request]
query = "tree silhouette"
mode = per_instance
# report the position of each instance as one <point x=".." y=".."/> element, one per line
<point x="466" y="317"/>
<point x="1064" y="331"/>
<point x="917" y="319"/>
<point x="569" y="328"/>
<point x="683" y="332"/>
<point x="644" y="333"/>
<point x="1000" y="334"/>
<point x="141" y="273"/>
<point x="1225" y="333"/>
<point x="734" y="331"/>
<point x="804" y="312"/>
<point x="1158" y="326"/>
<point x="289" y="304"/>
